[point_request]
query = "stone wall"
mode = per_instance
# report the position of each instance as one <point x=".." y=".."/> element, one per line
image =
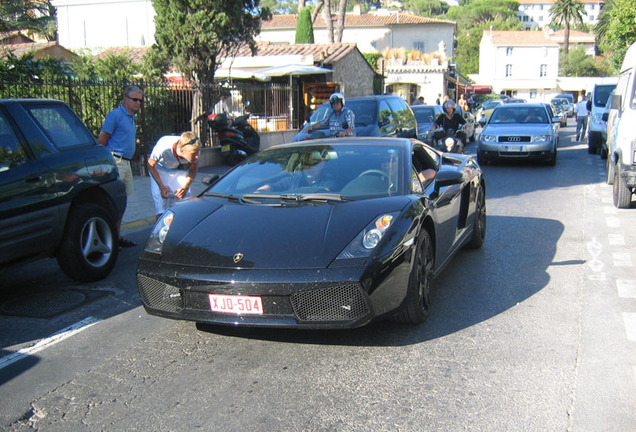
<point x="355" y="73"/>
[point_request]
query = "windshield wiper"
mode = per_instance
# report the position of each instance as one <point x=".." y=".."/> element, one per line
<point x="321" y="197"/>
<point x="324" y="197"/>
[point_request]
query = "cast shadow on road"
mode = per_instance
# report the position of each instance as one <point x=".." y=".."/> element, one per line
<point x="477" y="285"/>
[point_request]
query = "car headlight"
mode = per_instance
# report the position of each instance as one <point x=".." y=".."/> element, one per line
<point x="540" y="138"/>
<point x="488" y="138"/>
<point x="366" y="241"/>
<point x="159" y="233"/>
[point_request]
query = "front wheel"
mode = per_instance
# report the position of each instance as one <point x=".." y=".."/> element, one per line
<point x="479" y="225"/>
<point x="417" y="304"/>
<point x="89" y="248"/>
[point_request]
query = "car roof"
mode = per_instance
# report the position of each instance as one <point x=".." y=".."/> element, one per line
<point x="357" y="141"/>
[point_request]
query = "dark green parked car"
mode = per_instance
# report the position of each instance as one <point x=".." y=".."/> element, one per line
<point x="60" y="192"/>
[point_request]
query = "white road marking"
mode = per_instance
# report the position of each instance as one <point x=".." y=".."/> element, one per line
<point x="626" y="288"/>
<point x="622" y="259"/>
<point x="616" y="239"/>
<point x="630" y="325"/>
<point x="613" y="222"/>
<point x="65" y="333"/>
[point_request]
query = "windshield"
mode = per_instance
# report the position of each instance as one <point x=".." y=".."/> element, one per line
<point x="601" y="94"/>
<point x="425" y="115"/>
<point x="322" y="172"/>
<point x="365" y="112"/>
<point x="519" y="114"/>
<point x="559" y="102"/>
<point x="491" y="104"/>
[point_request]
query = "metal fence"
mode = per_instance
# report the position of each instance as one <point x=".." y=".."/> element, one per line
<point x="167" y="107"/>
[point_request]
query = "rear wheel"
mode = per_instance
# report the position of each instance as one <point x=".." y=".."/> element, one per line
<point x="89" y="248"/>
<point x="418" y="297"/>
<point x="621" y="192"/>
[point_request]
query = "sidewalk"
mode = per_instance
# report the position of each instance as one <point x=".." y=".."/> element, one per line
<point x="140" y="210"/>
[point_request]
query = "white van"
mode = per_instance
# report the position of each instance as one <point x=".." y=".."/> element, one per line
<point x="621" y="133"/>
<point x="595" y="142"/>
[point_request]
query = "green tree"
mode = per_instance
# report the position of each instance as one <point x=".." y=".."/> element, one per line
<point x="427" y="8"/>
<point x="304" y="27"/>
<point x="577" y="63"/>
<point x="622" y="30"/>
<point x="37" y="16"/>
<point x="566" y="12"/>
<point x="196" y="34"/>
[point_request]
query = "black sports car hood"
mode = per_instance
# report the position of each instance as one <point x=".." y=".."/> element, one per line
<point x="214" y="232"/>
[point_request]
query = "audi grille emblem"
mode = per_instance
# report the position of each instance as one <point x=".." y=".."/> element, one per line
<point x="237" y="257"/>
<point x="514" y="139"/>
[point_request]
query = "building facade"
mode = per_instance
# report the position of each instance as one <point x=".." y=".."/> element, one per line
<point x="101" y="24"/>
<point x="535" y="14"/>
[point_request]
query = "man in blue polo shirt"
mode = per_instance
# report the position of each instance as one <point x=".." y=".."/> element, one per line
<point x="118" y="134"/>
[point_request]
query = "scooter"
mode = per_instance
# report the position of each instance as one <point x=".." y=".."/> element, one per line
<point x="237" y="138"/>
<point x="448" y="140"/>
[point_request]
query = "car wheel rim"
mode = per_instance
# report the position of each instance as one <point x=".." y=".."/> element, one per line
<point x="96" y="242"/>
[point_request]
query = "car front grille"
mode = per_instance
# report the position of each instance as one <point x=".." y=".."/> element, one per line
<point x="514" y="139"/>
<point x="337" y="303"/>
<point x="159" y="295"/>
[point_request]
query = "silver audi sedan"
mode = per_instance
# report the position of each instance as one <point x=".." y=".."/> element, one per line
<point x="520" y="131"/>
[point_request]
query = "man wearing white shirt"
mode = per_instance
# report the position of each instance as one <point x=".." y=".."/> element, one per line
<point x="581" y="118"/>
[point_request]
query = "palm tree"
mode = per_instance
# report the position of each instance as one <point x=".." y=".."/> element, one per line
<point x="564" y="12"/>
<point x="604" y="19"/>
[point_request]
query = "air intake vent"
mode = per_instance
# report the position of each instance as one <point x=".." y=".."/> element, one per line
<point x="158" y="295"/>
<point x="337" y="303"/>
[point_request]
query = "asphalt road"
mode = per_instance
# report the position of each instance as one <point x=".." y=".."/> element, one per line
<point x="534" y="332"/>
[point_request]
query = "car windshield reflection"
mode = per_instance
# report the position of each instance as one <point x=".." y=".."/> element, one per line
<point x="316" y="174"/>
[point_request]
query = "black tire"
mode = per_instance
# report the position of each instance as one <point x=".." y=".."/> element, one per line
<point x="609" y="166"/>
<point x="553" y="159"/>
<point x="479" y="228"/>
<point x="89" y="248"/>
<point x="418" y="297"/>
<point x="622" y="194"/>
<point x="481" y="160"/>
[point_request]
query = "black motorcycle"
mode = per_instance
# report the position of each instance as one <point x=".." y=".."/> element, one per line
<point x="449" y="140"/>
<point x="238" y="139"/>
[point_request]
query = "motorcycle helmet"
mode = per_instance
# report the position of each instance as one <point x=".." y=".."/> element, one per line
<point x="450" y="103"/>
<point x="337" y="97"/>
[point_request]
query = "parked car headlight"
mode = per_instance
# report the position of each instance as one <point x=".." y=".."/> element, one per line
<point x="489" y="138"/>
<point x="159" y="233"/>
<point x="540" y="138"/>
<point x="366" y="241"/>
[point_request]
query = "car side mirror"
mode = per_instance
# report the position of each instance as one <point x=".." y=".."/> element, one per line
<point x="210" y="180"/>
<point x="448" y="178"/>
<point x="556" y="119"/>
<point x="616" y="102"/>
<point x="605" y="116"/>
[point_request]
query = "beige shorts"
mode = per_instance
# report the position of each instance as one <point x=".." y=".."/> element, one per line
<point x="125" y="173"/>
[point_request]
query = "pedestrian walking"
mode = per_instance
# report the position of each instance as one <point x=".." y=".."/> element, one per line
<point x="118" y="134"/>
<point x="173" y="165"/>
<point x="582" y="113"/>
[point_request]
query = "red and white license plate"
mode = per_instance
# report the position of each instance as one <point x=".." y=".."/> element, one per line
<point x="236" y="304"/>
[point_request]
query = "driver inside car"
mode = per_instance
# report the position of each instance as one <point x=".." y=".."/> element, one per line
<point x="308" y="175"/>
